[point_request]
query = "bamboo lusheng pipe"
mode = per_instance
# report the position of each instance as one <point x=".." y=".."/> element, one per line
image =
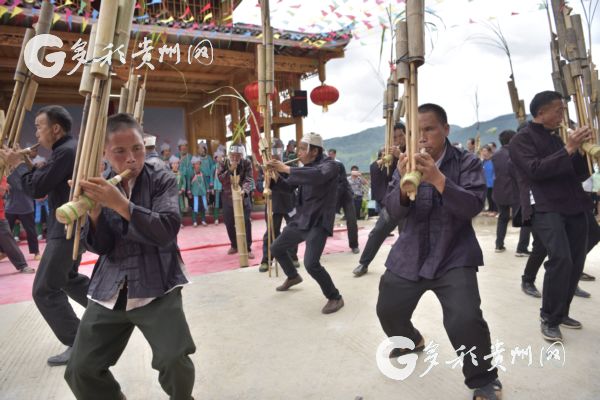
<point x="132" y="89"/>
<point x="123" y="27"/>
<point x="410" y="182"/>
<point x="401" y="51"/>
<point x="21" y="74"/>
<point x="69" y="212"/>
<point x="415" y="25"/>
<point x="86" y="85"/>
<point x="240" y="223"/>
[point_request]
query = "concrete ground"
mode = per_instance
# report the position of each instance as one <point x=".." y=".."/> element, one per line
<point x="256" y="343"/>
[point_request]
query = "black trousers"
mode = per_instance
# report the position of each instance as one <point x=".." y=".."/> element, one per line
<point x="383" y="227"/>
<point x="501" y="226"/>
<point x="10" y="247"/>
<point x="538" y="251"/>
<point x="56" y="278"/>
<point x="229" y="219"/>
<point x="277" y="219"/>
<point x="565" y="239"/>
<point x="458" y="294"/>
<point x="490" y="200"/>
<point x="357" y="205"/>
<point x="104" y="333"/>
<point x="347" y="204"/>
<point x="28" y="221"/>
<point x="315" y="238"/>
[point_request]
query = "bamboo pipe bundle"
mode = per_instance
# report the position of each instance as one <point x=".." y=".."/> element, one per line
<point x="390" y="95"/>
<point x="92" y="137"/>
<point x="21" y="75"/>
<point x="415" y="11"/>
<point x="240" y="223"/>
<point x="69" y="212"/>
<point x="2" y="120"/>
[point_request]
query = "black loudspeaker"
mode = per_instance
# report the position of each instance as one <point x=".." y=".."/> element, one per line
<point x="299" y="104"/>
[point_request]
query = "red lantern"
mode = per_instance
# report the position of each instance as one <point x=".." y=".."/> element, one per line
<point x="251" y="93"/>
<point x="286" y="106"/>
<point x="324" y="96"/>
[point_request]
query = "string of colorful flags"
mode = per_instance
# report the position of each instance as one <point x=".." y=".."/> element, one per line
<point x="334" y="20"/>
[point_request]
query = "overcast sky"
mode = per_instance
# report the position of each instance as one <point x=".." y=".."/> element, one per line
<point x="456" y="65"/>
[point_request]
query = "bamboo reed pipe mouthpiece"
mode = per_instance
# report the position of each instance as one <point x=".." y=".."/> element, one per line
<point x="292" y="161"/>
<point x="69" y="212"/>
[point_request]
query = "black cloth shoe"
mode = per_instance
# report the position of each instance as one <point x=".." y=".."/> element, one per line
<point x="530" y="289"/>
<point x="360" y="270"/>
<point x="551" y="333"/>
<point x="355" y="250"/>
<point x="587" y="277"/>
<point x="288" y="283"/>
<point x="419" y="347"/>
<point x="296" y="263"/>
<point x="525" y="253"/>
<point x="582" y="293"/>
<point x="491" y="391"/>
<point x="60" y="359"/>
<point x="570" y="323"/>
<point x="500" y="249"/>
<point x="333" y="305"/>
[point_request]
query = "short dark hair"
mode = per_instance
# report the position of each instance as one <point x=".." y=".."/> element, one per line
<point x="399" y="125"/>
<point x="121" y="121"/>
<point x="57" y="115"/>
<point x="437" y="110"/>
<point x="332" y="151"/>
<point x="354" y="168"/>
<point x="493" y="144"/>
<point x="486" y="147"/>
<point x="543" y="99"/>
<point x="471" y="140"/>
<point x="506" y="136"/>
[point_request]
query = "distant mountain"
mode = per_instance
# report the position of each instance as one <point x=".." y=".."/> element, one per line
<point x="361" y="148"/>
<point x="489" y="130"/>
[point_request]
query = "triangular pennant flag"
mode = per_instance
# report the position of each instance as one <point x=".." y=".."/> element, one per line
<point x="83" y="4"/>
<point x="187" y="11"/>
<point x="3" y="2"/>
<point x="55" y="18"/>
<point x="205" y="8"/>
<point x="68" y="14"/>
<point x="3" y="10"/>
<point x="94" y="15"/>
<point x="16" y="3"/>
<point x="138" y="6"/>
<point x="84" y="24"/>
<point x="207" y="17"/>
<point x="324" y="13"/>
<point x="16" y="11"/>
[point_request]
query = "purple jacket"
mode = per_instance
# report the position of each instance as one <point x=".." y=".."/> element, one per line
<point x="545" y="167"/>
<point x="438" y="234"/>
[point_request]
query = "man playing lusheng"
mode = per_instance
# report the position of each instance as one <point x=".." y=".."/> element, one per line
<point x="137" y="279"/>
<point x="438" y="251"/>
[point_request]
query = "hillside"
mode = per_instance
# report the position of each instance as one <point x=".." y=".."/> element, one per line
<point x="361" y="148"/>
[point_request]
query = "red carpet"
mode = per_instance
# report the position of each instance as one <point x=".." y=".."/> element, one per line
<point x="204" y="250"/>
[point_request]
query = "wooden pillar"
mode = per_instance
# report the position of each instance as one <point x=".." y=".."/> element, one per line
<point x="298" y="120"/>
